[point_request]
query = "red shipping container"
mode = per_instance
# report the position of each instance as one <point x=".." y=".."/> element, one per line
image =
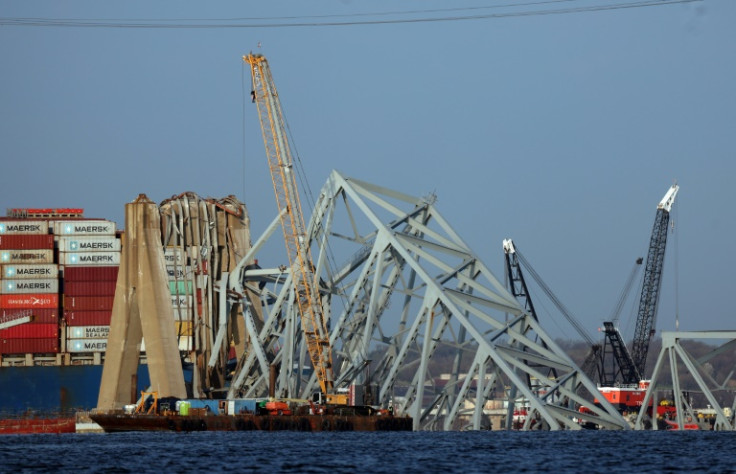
<point x="31" y="300"/>
<point x="26" y="241"/>
<point x="89" y="303"/>
<point x="87" y="318"/>
<point x="89" y="288"/>
<point x="82" y="273"/>
<point x="30" y="331"/>
<point x="29" y="346"/>
<point x="41" y="316"/>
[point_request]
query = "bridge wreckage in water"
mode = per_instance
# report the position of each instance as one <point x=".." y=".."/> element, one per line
<point x="377" y="283"/>
<point x="407" y="285"/>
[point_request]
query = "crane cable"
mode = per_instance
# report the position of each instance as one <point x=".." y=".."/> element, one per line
<point x="243" y="88"/>
<point x="565" y="312"/>
<point x="311" y="201"/>
<point x="238" y="23"/>
<point x="625" y="291"/>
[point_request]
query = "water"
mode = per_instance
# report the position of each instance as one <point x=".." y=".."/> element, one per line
<point x="467" y="452"/>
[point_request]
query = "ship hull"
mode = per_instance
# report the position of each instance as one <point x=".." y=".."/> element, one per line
<point x="48" y="390"/>
<point x="37" y="426"/>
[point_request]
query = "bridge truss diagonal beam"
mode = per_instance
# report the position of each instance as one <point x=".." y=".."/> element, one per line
<point x="401" y="290"/>
<point x="674" y="354"/>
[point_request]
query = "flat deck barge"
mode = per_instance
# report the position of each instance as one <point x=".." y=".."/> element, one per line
<point x="118" y="422"/>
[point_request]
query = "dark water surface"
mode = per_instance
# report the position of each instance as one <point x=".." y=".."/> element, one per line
<point x="566" y="451"/>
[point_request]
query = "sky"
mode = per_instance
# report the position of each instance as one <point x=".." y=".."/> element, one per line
<point x="559" y="124"/>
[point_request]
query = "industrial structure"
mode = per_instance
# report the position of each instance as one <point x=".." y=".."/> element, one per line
<point x="399" y="253"/>
<point x="398" y="283"/>
<point x="673" y="354"/>
<point x="612" y="362"/>
<point x="166" y="301"/>
<point x="631" y="365"/>
<point x="377" y="284"/>
<point x="281" y="166"/>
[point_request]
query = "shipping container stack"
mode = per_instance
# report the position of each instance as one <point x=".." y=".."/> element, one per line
<point x="59" y="270"/>
<point x="181" y="285"/>
<point x="89" y="256"/>
<point x="30" y="287"/>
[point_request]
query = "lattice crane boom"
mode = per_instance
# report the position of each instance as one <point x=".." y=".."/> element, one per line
<point x="649" y="301"/>
<point x="280" y="164"/>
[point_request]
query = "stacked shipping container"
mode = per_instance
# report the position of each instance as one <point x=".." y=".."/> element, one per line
<point x="181" y="283"/>
<point x="63" y="274"/>
<point x="90" y="254"/>
<point x="30" y="287"/>
<point x="177" y="263"/>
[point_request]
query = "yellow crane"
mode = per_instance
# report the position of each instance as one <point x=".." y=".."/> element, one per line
<point x="281" y="166"/>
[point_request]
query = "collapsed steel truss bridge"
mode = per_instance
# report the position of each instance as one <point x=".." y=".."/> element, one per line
<point x="399" y="285"/>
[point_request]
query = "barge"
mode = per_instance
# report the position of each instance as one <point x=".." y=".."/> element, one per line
<point x="170" y="414"/>
<point x="118" y="422"/>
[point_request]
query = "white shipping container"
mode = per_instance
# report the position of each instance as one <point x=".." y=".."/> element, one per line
<point x="12" y="287"/>
<point x="182" y="305"/>
<point x="185" y="343"/>
<point x="24" y="227"/>
<point x="27" y="256"/>
<point x="87" y="332"/>
<point x="183" y="314"/>
<point x="181" y="301"/>
<point x="174" y="256"/>
<point x="84" y="227"/>
<point x="89" y="243"/>
<point x="39" y="270"/>
<point x="177" y="272"/>
<point x="89" y="258"/>
<point x="86" y="345"/>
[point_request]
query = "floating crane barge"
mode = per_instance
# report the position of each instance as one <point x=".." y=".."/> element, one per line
<point x="113" y="422"/>
<point x="247" y="415"/>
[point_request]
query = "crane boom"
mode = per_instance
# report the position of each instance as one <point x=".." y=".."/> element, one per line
<point x="624" y="363"/>
<point x="508" y="247"/>
<point x="520" y="290"/>
<point x="281" y="167"/>
<point x="516" y="277"/>
<point x="623" y="368"/>
<point x="647" y="314"/>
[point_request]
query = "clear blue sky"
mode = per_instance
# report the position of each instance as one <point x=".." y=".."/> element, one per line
<point x="562" y="131"/>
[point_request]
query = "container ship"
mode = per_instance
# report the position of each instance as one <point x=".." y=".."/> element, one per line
<point x="58" y="272"/>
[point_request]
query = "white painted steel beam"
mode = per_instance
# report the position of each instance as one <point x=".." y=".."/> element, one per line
<point x="673" y="352"/>
<point x="409" y="289"/>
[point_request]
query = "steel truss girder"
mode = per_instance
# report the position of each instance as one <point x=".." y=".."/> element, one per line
<point x="672" y="351"/>
<point x="409" y="289"/>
